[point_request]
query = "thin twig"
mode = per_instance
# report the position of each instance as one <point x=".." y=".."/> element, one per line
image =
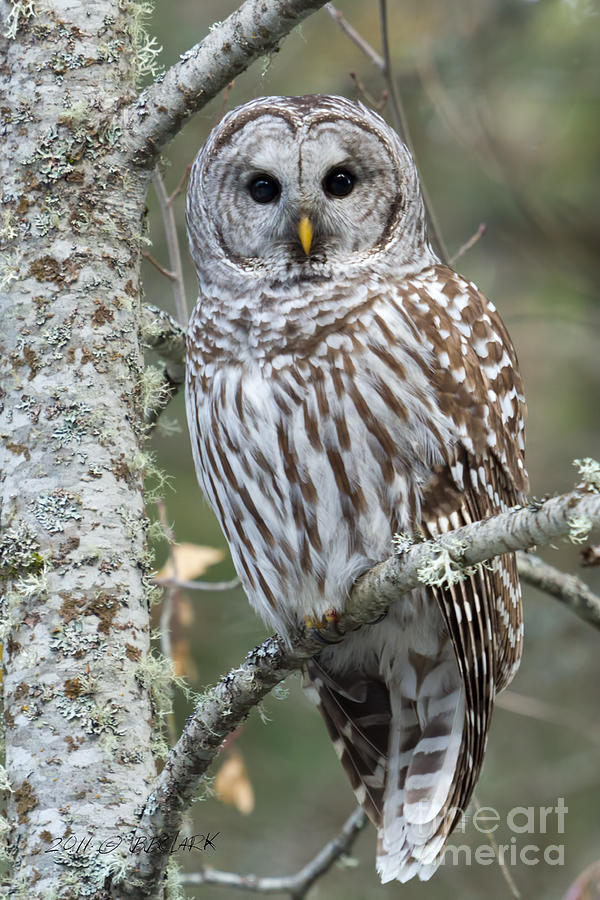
<point x="468" y="244"/>
<point x="182" y="183"/>
<point x="298" y="885"/>
<point x="226" y="92"/>
<point x="569" y="589"/>
<point x="534" y="708"/>
<point x="166" y="612"/>
<point x="401" y="126"/>
<point x="170" y="275"/>
<point x="379" y="105"/>
<point x="199" y="585"/>
<point x="504" y="868"/>
<point x="355" y="36"/>
<point x="166" y="209"/>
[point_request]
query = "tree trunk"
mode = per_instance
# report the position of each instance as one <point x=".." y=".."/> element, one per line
<point x="73" y="552"/>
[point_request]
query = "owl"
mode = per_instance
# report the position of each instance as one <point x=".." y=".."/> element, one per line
<point x="344" y="385"/>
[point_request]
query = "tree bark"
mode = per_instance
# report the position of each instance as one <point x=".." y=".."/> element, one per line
<point x="78" y="716"/>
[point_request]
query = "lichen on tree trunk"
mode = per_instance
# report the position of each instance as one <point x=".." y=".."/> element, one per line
<point x="73" y="545"/>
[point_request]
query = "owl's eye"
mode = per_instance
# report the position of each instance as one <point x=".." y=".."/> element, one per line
<point x="338" y="182"/>
<point x="264" y="188"/>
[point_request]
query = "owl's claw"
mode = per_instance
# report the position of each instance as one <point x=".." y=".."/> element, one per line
<point x="328" y="621"/>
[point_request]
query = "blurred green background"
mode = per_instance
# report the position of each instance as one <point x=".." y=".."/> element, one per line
<point x="502" y="101"/>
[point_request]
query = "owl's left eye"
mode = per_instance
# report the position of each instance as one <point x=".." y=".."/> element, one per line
<point x="264" y="188"/>
<point x="338" y="182"/>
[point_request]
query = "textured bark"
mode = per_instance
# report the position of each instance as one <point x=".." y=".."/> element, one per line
<point x="75" y="611"/>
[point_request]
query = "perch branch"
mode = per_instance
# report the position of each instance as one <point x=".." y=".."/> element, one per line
<point x="229" y="702"/>
<point x="298" y="885"/>
<point x="160" y="111"/>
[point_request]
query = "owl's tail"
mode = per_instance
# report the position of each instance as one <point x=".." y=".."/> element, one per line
<point x="421" y="790"/>
<point x="399" y="733"/>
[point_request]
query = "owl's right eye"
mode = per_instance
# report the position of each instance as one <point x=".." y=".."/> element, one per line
<point x="264" y="188"/>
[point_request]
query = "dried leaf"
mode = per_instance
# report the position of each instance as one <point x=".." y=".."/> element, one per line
<point x="191" y="560"/>
<point x="232" y="784"/>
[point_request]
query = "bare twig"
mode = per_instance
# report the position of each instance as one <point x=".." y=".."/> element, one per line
<point x="401" y="126"/>
<point x="170" y="275"/>
<point x="376" y="104"/>
<point x="199" y="585"/>
<point x="503" y="867"/>
<point x="534" y="708"/>
<point x="298" y="885"/>
<point x="224" y="101"/>
<point x="182" y="182"/>
<point x="256" y="28"/>
<point x="569" y="589"/>
<point x="356" y="37"/>
<point x="468" y="244"/>
<point x="230" y="701"/>
<point x="166" y="611"/>
<point x="166" y="208"/>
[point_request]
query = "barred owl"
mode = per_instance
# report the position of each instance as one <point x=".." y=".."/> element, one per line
<point x="344" y="385"/>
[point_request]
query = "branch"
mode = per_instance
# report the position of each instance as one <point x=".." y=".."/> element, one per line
<point x="228" y="703"/>
<point x="298" y="885"/>
<point x="569" y="589"/>
<point x="161" y="110"/>
<point x="198" y="585"/>
<point x="356" y="37"/>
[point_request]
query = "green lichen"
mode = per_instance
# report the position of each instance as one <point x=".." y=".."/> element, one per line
<point x="20" y="551"/>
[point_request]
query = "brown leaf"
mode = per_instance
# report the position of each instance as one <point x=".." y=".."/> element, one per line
<point x="232" y="784"/>
<point x="191" y="560"/>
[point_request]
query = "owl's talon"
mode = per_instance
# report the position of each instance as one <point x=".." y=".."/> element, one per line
<point x="326" y="622"/>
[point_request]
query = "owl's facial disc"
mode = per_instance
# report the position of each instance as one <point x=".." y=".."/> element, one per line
<point x="282" y="194"/>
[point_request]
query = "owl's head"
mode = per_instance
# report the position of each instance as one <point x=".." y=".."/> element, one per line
<point x="293" y="185"/>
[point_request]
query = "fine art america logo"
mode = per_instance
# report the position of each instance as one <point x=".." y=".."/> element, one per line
<point x="516" y="839"/>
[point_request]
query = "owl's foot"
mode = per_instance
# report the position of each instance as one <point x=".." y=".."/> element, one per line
<point x="327" y="622"/>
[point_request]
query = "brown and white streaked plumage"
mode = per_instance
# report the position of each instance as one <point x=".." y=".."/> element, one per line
<point x="343" y="385"/>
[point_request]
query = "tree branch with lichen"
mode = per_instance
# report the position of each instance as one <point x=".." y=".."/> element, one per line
<point x="440" y="561"/>
<point x="253" y="30"/>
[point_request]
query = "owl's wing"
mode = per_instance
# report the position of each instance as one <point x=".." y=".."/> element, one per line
<point x="477" y="382"/>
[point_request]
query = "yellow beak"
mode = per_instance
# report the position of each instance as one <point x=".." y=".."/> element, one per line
<point x="305" y="233"/>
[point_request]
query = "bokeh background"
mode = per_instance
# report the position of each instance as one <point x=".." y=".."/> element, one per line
<point x="502" y="101"/>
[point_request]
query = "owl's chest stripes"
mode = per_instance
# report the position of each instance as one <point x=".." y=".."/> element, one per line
<point x="311" y="471"/>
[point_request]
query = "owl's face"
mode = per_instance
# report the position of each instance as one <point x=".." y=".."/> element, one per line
<point x="294" y="183"/>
